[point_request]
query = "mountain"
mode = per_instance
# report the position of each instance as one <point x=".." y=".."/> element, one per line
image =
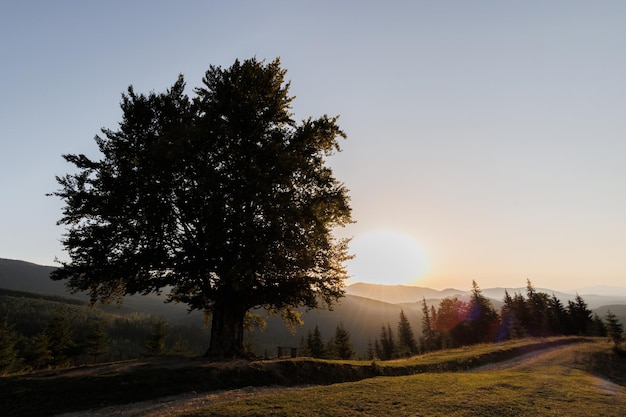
<point x="397" y="294"/>
<point x="404" y="294"/>
<point x="25" y="276"/>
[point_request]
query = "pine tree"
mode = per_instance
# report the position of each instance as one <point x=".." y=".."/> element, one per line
<point x="388" y="344"/>
<point x="378" y="350"/>
<point x="538" y="313"/>
<point x="614" y="329"/>
<point x="316" y="343"/>
<point x="428" y="330"/>
<point x="482" y="318"/>
<point x="370" y="353"/>
<point x="558" y="316"/>
<point x="407" y="346"/>
<point x="597" y="328"/>
<point x="342" y="345"/>
<point x="580" y="316"/>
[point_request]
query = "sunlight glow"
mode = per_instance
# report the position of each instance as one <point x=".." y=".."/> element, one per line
<point x="386" y="257"/>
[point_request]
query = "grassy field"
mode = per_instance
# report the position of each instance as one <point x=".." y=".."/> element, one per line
<point x="569" y="381"/>
<point x="573" y="376"/>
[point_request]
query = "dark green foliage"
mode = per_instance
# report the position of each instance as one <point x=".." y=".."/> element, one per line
<point x="97" y="341"/>
<point x="614" y="329"/>
<point x="315" y="344"/>
<point x="222" y="198"/>
<point x="9" y="359"/>
<point x="61" y="342"/>
<point x="342" y="345"/>
<point x="86" y="333"/>
<point x="38" y="353"/>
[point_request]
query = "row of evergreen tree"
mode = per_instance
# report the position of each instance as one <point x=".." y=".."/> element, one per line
<point x="457" y="323"/>
<point x="338" y="347"/>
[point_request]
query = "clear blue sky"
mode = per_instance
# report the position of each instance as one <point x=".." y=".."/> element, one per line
<point x="486" y="138"/>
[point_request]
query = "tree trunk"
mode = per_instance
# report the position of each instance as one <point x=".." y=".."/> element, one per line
<point x="226" y="330"/>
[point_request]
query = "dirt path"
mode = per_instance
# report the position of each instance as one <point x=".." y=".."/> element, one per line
<point x="522" y="360"/>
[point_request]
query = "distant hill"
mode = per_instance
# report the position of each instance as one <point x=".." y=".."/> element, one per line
<point x="397" y="294"/>
<point x="404" y="294"/>
<point x="25" y="276"/>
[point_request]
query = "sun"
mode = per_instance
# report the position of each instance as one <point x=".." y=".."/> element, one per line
<point x="386" y="257"/>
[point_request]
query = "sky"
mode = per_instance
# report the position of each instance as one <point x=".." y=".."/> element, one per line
<point x="485" y="138"/>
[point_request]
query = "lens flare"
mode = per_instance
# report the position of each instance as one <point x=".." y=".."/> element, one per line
<point x="386" y="257"/>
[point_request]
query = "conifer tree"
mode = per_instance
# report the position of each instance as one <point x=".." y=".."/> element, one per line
<point x="387" y="343"/>
<point x="370" y="353"/>
<point x="407" y="346"/>
<point x="558" y="316"/>
<point x="580" y="316"/>
<point x="378" y="350"/>
<point x="614" y="329"/>
<point x="342" y="345"/>
<point x="482" y="318"/>
<point x="428" y="330"/>
<point x="316" y="343"/>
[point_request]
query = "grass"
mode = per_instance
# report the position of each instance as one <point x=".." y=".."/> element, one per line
<point x="432" y="384"/>
<point x="566" y="382"/>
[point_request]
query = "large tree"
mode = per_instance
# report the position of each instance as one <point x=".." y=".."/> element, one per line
<point x="221" y="199"/>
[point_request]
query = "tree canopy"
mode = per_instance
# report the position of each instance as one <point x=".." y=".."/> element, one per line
<point x="220" y="198"/>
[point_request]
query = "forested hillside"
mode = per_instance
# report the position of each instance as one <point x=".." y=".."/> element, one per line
<point x="39" y="331"/>
<point x="33" y="321"/>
